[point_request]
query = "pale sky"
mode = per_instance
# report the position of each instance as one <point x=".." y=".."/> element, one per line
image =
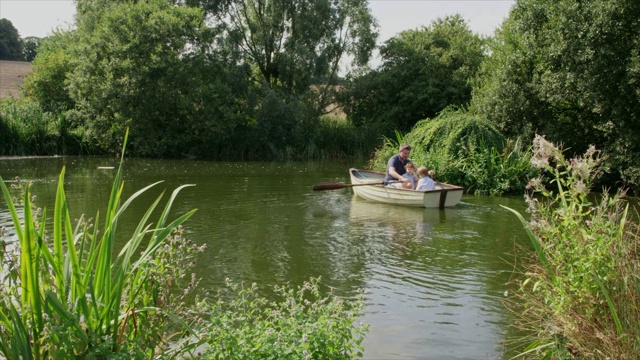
<point x="40" y="17"/>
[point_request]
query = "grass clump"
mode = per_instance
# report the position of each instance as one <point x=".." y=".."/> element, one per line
<point x="27" y="129"/>
<point x="580" y="293"/>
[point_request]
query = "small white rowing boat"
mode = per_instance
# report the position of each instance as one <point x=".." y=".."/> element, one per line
<point x="444" y="195"/>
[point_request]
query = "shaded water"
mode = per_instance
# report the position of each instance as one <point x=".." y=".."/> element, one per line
<point x="435" y="279"/>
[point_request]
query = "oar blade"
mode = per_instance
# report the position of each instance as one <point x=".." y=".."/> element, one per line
<point x="329" y="186"/>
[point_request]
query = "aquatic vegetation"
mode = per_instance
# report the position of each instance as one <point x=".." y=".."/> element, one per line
<point x="66" y="294"/>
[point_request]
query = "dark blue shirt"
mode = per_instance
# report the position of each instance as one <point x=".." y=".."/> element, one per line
<point x="397" y="164"/>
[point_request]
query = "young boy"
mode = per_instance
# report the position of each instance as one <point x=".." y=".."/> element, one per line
<point x="411" y="175"/>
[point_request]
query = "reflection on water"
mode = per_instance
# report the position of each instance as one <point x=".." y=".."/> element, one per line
<point x="434" y="278"/>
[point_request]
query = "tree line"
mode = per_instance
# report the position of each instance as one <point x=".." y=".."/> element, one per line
<point x="257" y="79"/>
<point x="13" y="47"/>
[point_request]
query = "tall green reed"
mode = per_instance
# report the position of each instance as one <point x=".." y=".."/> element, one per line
<point x="580" y="289"/>
<point x="73" y="282"/>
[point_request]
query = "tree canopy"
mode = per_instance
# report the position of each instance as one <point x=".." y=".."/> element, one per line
<point x="145" y="66"/>
<point x="423" y="71"/>
<point x="290" y="44"/>
<point x="570" y="71"/>
<point x="10" y="42"/>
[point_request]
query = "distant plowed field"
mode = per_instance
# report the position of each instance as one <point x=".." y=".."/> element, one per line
<point x="11" y="77"/>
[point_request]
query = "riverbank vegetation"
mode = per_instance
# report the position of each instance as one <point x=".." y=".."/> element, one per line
<point x="69" y="291"/>
<point x="579" y="289"/>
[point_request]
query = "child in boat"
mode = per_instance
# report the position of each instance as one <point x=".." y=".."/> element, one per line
<point x="411" y="176"/>
<point x="425" y="182"/>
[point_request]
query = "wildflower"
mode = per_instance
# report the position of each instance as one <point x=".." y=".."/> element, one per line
<point x="534" y="184"/>
<point x="580" y="167"/>
<point x="539" y="162"/>
<point x="587" y="222"/>
<point x="580" y="187"/>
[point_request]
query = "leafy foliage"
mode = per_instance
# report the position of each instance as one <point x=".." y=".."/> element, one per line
<point x="145" y="66"/>
<point x="47" y="83"/>
<point x="304" y="324"/>
<point x="423" y="71"/>
<point x="290" y="44"/>
<point x="580" y="295"/>
<point x="568" y="70"/>
<point x="31" y="45"/>
<point x="27" y="129"/>
<point x="187" y="88"/>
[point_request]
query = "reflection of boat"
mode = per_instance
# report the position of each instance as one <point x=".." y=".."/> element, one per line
<point x="362" y="210"/>
<point x="444" y="195"/>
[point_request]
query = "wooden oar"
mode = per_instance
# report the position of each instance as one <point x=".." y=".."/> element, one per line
<point x="340" y="185"/>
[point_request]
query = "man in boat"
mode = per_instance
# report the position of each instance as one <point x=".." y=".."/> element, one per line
<point x="396" y="164"/>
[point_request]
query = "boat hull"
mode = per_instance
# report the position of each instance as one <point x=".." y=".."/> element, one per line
<point x="444" y="195"/>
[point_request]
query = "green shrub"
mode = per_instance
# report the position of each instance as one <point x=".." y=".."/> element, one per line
<point x="580" y="295"/>
<point x="303" y="324"/>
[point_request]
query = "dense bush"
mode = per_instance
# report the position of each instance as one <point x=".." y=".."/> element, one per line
<point x="580" y="293"/>
<point x="27" y="129"/>
<point x="51" y="68"/>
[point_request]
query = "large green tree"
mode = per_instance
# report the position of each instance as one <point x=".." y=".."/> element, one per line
<point x="423" y="71"/>
<point x="292" y="44"/>
<point x="145" y="65"/>
<point x="10" y="43"/>
<point x="569" y="70"/>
